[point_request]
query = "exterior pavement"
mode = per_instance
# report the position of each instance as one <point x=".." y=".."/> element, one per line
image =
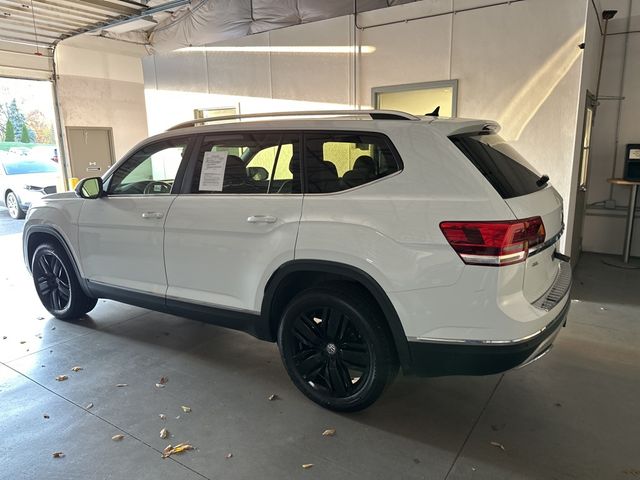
<point x="572" y="415"/>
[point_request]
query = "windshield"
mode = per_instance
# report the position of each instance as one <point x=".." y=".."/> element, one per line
<point x="21" y="167"/>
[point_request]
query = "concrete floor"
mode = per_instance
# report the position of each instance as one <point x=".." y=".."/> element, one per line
<point x="572" y="415"/>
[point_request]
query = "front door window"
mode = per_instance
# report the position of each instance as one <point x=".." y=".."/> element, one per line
<point x="150" y="171"/>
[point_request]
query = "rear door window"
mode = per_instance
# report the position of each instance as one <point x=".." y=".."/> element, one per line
<point x="248" y="163"/>
<point x="505" y="169"/>
<point x="336" y="161"/>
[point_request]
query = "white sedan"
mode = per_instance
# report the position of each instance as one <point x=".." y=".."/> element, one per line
<point x="23" y="180"/>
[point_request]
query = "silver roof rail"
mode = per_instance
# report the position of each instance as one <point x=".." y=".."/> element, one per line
<point x="374" y="114"/>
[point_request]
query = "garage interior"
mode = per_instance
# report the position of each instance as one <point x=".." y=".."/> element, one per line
<point x="562" y="78"/>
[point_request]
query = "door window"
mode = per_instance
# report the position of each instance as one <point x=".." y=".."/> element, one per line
<point x="150" y="171"/>
<point x="339" y="161"/>
<point x="250" y="163"/>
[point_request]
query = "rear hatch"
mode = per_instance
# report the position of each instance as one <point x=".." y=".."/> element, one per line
<point x="527" y="194"/>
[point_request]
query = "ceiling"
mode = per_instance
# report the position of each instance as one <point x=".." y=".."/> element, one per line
<point x="44" y="23"/>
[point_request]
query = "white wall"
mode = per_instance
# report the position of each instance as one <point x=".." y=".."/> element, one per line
<point x="101" y="89"/>
<point x="604" y="228"/>
<point x="515" y="63"/>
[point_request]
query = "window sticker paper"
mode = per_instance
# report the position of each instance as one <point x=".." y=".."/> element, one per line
<point x="212" y="174"/>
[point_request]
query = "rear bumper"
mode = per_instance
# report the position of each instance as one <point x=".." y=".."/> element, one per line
<point x="439" y="359"/>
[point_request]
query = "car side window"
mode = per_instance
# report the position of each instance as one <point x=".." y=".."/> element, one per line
<point x="150" y="171"/>
<point x="249" y="163"/>
<point x="338" y="161"/>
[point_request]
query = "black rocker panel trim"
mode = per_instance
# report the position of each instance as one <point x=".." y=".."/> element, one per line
<point x="353" y="274"/>
<point x="243" y="321"/>
<point x="438" y="359"/>
<point x="49" y="230"/>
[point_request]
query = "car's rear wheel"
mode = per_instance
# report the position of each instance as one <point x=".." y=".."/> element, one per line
<point x="57" y="285"/>
<point x="336" y="349"/>
<point x="13" y="205"/>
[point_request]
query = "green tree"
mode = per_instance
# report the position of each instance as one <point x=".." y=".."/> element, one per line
<point x="9" y="134"/>
<point x="24" y="135"/>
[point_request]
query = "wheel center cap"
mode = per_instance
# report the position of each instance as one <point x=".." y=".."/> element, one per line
<point x="331" y="348"/>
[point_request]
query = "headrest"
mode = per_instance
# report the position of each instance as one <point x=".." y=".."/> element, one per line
<point x="364" y="162"/>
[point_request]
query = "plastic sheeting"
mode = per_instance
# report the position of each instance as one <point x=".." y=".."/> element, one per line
<point x="209" y="21"/>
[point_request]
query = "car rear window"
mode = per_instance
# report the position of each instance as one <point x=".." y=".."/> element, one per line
<point x="505" y="169"/>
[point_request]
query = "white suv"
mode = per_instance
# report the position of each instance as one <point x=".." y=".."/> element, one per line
<point x="359" y="241"/>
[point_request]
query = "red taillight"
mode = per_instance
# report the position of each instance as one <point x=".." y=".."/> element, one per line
<point x="494" y="243"/>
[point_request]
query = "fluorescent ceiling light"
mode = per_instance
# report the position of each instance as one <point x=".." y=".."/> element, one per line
<point x="277" y="49"/>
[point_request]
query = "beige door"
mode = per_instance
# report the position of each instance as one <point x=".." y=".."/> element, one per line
<point x="90" y="151"/>
<point x="583" y="179"/>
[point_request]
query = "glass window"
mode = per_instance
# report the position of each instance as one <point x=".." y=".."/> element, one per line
<point x="150" y="171"/>
<point x="251" y="163"/>
<point x="22" y="167"/>
<point x="418" y="98"/>
<point x="505" y="169"/>
<point x="338" y="161"/>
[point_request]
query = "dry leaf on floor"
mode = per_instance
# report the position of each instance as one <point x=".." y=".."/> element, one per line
<point x="58" y="454"/>
<point x="499" y="445"/>
<point x="89" y="407"/>
<point x="4" y="337"/>
<point x="164" y="433"/>
<point x="179" y="448"/>
<point x="163" y="380"/>
<point x="117" y="438"/>
<point x="228" y="455"/>
<point x="22" y="342"/>
<point x="307" y="465"/>
<point x="329" y="432"/>
<point x="122" y="385"/>
<point x="159" y="385"/>
<point x="162" y="416"/>
<point x="186" y="409"/>
<point x="182" y="447"/>
<point x="76" y="369"/>
<point x="61" y="378"/>
<point x="46" y="416"/>
<point x="273" y="397"/>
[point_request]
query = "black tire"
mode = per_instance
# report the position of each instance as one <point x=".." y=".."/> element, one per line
<point x="13" y="205"/>
<point x="335" y="347"/>
<point x="57" y="285"/>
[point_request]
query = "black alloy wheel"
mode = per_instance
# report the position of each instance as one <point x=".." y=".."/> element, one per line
<point x="336" y="349"/>
<point x="52" y="282"/>
<point x="57" y="285"/>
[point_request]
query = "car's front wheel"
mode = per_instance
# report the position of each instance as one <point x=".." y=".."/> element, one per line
<point x="57" y="285"/>
<point x="13" y="205"/>
<point x="335" y="347"/>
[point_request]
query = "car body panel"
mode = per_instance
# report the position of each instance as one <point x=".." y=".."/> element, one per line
<point x="214" y="255"/>
<point x="120" y="247"/>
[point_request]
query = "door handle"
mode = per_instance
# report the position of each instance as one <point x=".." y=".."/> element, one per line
<point x="262" y="219"/>
<point x="148" y="215"/>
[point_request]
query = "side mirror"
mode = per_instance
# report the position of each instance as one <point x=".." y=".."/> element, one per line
<point x="90" y="188"/>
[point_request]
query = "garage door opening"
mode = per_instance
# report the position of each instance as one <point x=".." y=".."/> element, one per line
<point x="29" y="154"/>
